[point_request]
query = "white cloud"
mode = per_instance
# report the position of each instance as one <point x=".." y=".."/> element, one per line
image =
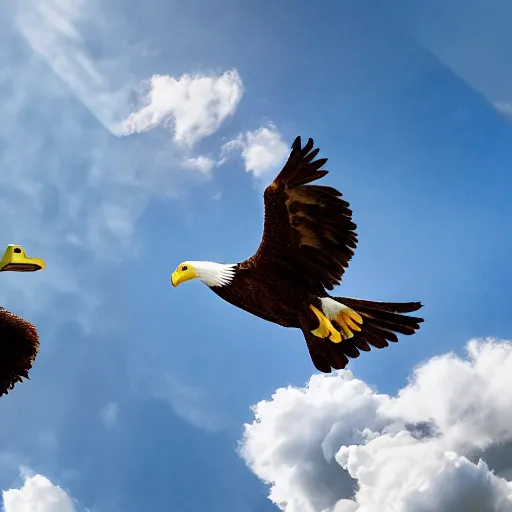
<point x="232" y="146"/>
<point x="263" y="150"/>
<point x="38" y="494"/>
<point x="195" y="105"/>
<point x="203" y="164"/>
<point x="338" y="445"/>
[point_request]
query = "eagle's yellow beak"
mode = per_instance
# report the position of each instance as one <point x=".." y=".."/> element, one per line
<point x="15" y="260"/>
<point x="185" y="272"/>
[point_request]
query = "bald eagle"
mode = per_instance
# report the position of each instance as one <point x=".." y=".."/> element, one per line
<point x="307" y="243"/>
<point x="19" y="339"/>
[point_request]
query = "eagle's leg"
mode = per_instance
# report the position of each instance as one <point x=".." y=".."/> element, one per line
<point x="325" y="329"/>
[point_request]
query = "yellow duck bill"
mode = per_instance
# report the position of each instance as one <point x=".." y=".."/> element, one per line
<point x="15" y="260"/>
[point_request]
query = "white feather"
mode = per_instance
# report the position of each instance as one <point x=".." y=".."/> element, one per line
<point x="212" y="273"/>
<point x="331" y="308"/>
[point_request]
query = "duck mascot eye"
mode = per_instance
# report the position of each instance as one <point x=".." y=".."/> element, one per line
<point x="19" y="339"/>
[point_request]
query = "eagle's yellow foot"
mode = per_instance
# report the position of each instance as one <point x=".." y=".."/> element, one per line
<point x="349" y="321"/>
<point x="325" y="329"/>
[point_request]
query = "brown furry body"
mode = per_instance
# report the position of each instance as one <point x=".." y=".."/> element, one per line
<point x="19" y="346"/>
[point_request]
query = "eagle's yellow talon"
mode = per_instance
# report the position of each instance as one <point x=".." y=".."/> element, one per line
<point x="335" y="336"/>
<point x="349" y="322"/>
<point x="347" y="333"/>
<point x="354" y="315"/>
<point x="325" y="329"/>
<point x="322" y="331"/>
<point x="352" y="325"/>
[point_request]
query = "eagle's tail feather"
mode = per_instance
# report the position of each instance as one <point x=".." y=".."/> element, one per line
<point x="390" y="307"/>
<point x="381" y="323"/>
<point x="385" y="318"/>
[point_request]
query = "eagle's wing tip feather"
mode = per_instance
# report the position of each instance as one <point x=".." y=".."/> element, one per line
<point x="297" y="144"/>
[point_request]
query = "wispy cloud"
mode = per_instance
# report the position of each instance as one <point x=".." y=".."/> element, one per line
<point x="201" y="163"/>
<point x="504" y="107"/>
<point x="338" y="445"/>
<point x="262" y="150"/>
<point x="69" y="165"/>
<point x="51" y="29"/>
<point x="188" y="402"/>
<point x="37" y="494"/>
<point x="464" y="41"/>
<point x="194" y="105"/>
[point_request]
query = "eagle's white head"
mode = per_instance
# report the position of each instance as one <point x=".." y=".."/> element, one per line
<point x="210" y="273"/>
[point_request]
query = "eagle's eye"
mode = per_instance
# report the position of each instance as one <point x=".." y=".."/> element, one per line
<point x="183" y="268"/>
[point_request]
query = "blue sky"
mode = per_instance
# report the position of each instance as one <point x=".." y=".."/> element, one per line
<point x="114" y="120"/>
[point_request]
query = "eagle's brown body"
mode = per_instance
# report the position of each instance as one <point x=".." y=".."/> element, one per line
<point x="278" y="298"/>
<point x="307" y="243"/>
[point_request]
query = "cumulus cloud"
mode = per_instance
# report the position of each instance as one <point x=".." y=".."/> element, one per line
<point x="38" y="494"/>
<point x="439" y="444"/>
<point x="195" y="105"/>
<point x="60" y="31"/>
<point x="262" y="150"/>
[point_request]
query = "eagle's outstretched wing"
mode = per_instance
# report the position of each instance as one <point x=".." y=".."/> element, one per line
<point x="308" y="229"/>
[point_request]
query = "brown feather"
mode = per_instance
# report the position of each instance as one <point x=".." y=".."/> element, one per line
<point x="19" y="346"/>
<point x="379" y="328"/>
<point x="308" y="229"/>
